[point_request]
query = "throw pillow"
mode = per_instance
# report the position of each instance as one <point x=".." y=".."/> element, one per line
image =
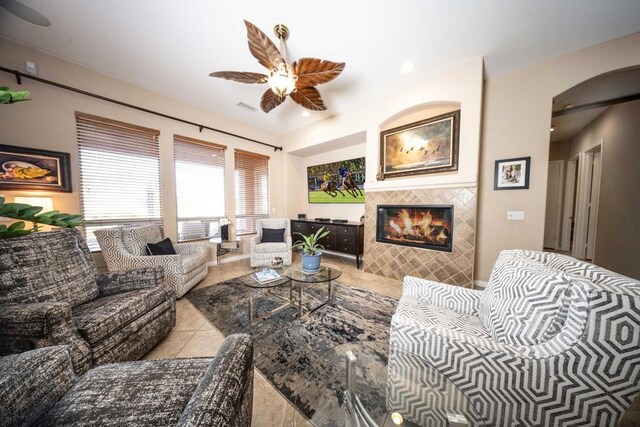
<point x="135" y="238"/>
<point x="272" y="235"/>
<point x="163" y="247"/>
<point x="525" y="302"/>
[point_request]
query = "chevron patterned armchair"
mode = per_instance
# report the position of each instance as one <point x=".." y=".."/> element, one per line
<point x="125" y="248"/>
<point x="551" y="341"/>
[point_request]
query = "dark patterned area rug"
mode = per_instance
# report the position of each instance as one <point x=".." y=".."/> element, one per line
<point x="304" y="357"/>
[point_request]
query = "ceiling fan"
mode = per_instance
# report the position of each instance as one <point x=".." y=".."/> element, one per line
<point x="297" y="80"/>
<point x="25" y="12"/>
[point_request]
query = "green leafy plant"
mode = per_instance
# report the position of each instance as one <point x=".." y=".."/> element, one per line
<point x="309" y="243"/>
<point x="8" y="96"/>
<point x="26" y="212"/>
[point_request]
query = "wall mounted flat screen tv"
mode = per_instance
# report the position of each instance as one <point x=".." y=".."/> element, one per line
<point x="337" y="182"/>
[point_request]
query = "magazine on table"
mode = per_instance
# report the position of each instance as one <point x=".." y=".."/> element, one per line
<point x="267" y="275"/>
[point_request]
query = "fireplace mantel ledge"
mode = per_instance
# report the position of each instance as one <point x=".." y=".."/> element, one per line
<point x="392" y="186"/>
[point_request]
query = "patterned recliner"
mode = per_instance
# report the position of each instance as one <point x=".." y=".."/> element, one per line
<point x="263" y="253"/>
<point x="39" y="388"/>
<point x="552" y="341"/>
<point x="51" y="294"/>
<point x="125" y="248"/>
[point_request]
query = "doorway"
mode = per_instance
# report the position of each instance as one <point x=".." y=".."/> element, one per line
<point x="593" y="209"/>
<point x="586" y="206"/>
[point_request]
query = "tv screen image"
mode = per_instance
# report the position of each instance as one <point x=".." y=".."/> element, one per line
<point x="337" y="182"/>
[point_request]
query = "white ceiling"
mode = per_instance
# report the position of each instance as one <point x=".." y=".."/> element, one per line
<point x="172" y="46"/>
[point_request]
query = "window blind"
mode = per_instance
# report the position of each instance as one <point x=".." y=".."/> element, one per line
<point x="252" y="190"/>
<point x="200" y="187"/>
<point x="119" y="174"/>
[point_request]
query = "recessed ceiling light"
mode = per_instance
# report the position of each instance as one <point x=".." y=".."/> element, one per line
<point x="407" y="67"/>
<point x="305" y="114"/>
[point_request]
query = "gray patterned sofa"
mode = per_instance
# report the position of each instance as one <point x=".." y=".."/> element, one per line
<point x="263" y="253"/>
<point x="551" y="341"/>
<point x="51" y="294"/>
<point x="39" y="388"/>
<point x="125" y="248"/>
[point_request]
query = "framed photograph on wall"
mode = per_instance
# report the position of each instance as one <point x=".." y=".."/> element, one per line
<point x="32" y="169"/>
<point x="512" y="174"/>
<point x="424" y="147"/>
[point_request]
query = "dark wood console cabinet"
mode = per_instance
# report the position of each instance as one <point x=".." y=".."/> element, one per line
<point x="347" y="238"/>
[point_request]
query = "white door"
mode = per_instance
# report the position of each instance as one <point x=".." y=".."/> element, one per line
<point x="553" y="213"/>
<point x="593" y="203"/>
<point x="567" y="210"/>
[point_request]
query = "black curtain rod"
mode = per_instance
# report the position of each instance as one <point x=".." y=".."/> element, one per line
<point x="19" y="75"/>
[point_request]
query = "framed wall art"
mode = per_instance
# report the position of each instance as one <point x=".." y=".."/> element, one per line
<point x="424" y="147"/>
<point x="512" y="174"/>
<point x="33" y="169"/>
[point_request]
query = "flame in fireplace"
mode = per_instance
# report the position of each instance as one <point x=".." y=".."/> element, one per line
<point x="421" y="226"/>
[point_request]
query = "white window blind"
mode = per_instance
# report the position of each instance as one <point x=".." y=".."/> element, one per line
<point x="119" y="174"/>
<point x="252" y="190"/>
<point x="200" y="187"/>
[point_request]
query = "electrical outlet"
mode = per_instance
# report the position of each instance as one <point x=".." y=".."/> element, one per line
<point x="32" y="68"/>
<point x="515" y="215"/>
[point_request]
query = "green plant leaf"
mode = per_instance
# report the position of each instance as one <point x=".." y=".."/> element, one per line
<point x="48" y="214"/>
<point x="16" y="226"/>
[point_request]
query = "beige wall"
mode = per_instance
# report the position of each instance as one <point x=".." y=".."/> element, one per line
<point x="517" y="116"/>
<point x="48" y="122"/>
<point x="462" y="84"/>
<point x="559" y="150"/>
<point x="618" y="226"/>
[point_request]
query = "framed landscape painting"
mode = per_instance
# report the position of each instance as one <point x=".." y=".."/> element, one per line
<point x="31" y="169"/>
<point x="423" y="147"/>
<point x="512" y="174"/>
<point x="337" y="182"/>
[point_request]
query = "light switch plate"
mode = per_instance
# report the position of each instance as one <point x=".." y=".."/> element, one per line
<point x="515" y="215"/>
<point x="32" y="68"/>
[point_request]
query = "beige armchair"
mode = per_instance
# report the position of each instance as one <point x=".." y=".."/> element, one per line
<point x="124" y="248"/>
<point x="263" y="253"/>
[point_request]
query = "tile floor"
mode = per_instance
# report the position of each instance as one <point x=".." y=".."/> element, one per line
<point x="194" y="336"/>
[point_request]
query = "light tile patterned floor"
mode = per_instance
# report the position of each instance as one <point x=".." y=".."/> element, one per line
<point x="194" y="336"/>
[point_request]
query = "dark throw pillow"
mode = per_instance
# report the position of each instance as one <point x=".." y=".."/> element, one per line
<point x="163" y="247"/>
<point x="272" y="235"/>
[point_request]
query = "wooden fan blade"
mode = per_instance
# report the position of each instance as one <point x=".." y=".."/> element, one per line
<point x="270" y="101"/>
<point x="239" y="76"/>
<point x="308" y="97"/>
<point x="313" y="72"/>
<point x="262" y="48"/>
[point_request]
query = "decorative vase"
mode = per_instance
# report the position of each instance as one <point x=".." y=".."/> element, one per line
<point x="224" y="232"/>
<point x="311" y="263"/>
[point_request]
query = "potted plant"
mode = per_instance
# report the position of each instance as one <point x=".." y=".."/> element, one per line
<point x="311" y="250"/>
<point x="30" y="213"/>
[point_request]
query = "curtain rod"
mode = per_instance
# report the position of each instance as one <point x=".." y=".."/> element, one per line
<point x="20" y="75"/>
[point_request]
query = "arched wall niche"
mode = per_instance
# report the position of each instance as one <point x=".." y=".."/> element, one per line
<point x="419" y="112"/>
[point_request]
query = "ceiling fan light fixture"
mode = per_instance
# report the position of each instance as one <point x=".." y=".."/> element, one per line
<point x="282" y="83"/>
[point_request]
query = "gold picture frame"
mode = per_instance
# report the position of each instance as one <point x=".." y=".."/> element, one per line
<point x="424" y="147"/>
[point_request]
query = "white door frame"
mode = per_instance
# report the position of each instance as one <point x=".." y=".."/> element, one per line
<point x="558" y="203"/>
<point x="582" y="202"/>
<point x="567" y="212"/>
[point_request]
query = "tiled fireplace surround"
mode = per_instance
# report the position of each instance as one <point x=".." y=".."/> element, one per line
<point x="396" y="261"/>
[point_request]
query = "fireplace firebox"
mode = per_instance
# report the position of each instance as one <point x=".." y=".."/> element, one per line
<point x="420" y="226"/>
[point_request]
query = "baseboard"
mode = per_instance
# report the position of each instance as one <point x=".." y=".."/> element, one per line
<point x="479" y="284"/>
<point x="227" y="259"/>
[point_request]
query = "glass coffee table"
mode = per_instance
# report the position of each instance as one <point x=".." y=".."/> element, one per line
<point x="254" y="286"/>
<point x="364" y="386"/>
<point x="324" y="275"/>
